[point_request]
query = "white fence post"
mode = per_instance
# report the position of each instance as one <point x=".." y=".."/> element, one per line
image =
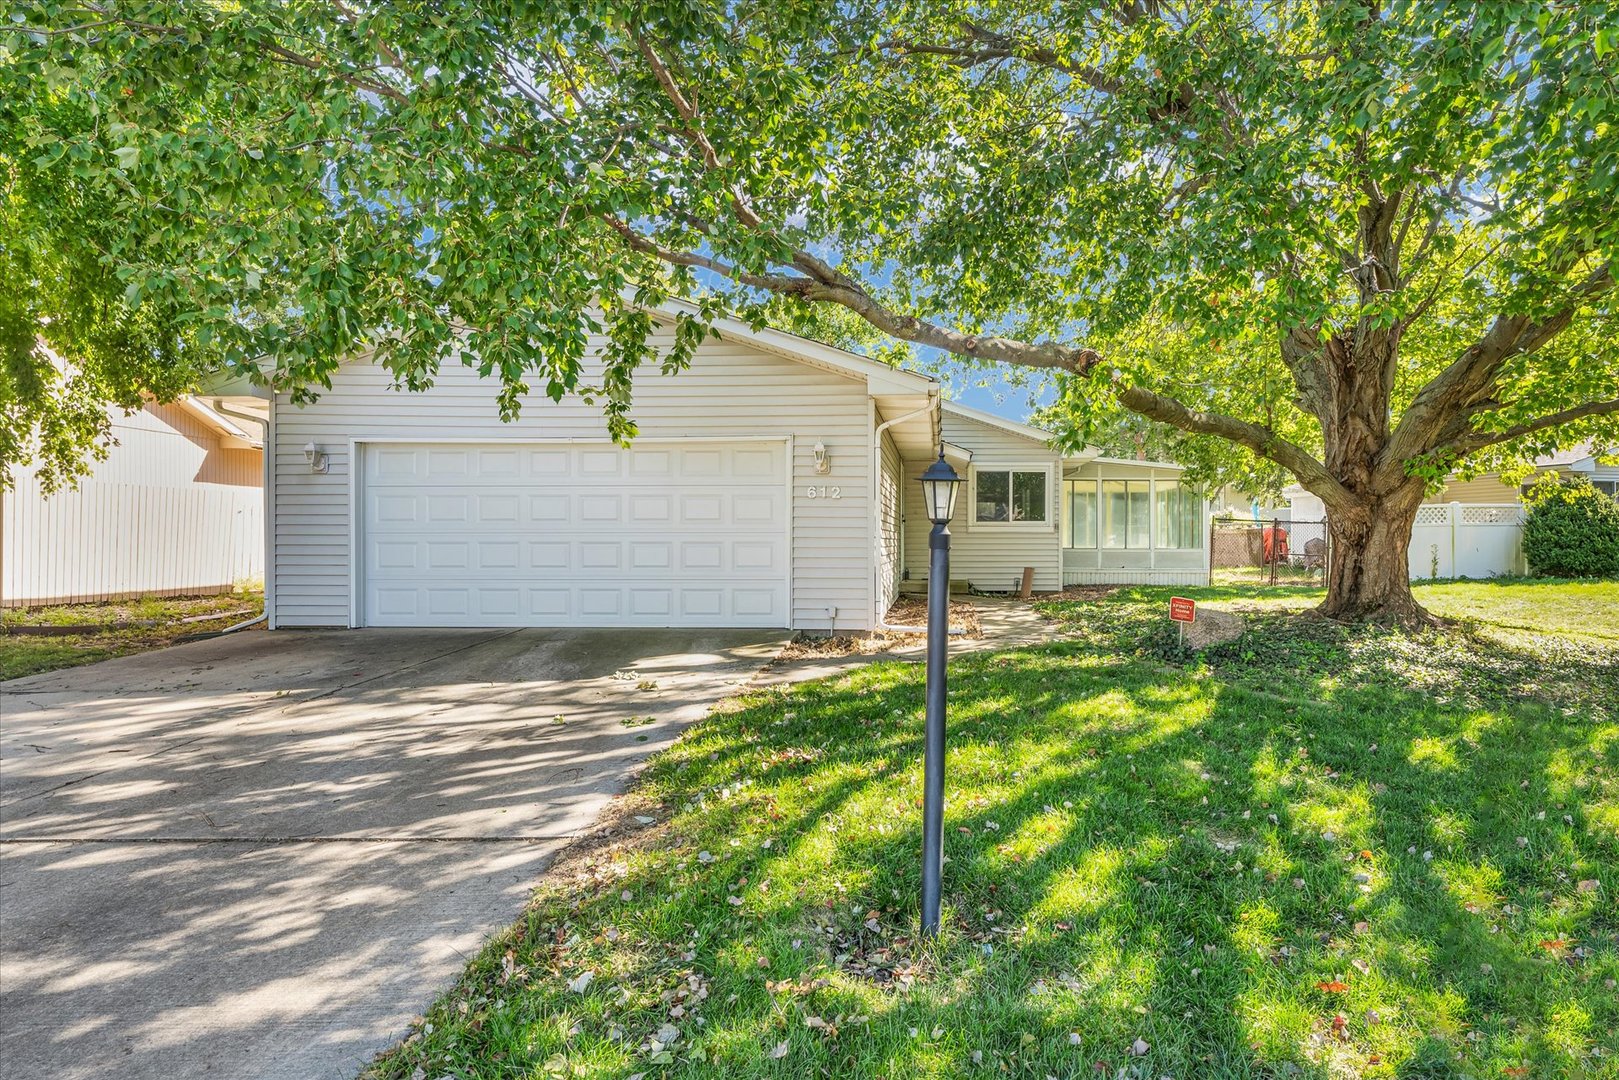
<point x="1455" y="524"/>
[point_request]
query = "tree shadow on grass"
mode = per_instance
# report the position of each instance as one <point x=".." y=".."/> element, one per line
<point x="1357" y="881"/>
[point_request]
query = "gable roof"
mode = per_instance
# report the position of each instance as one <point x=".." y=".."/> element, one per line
<point x="1027" y="431"/>
<point x="815" y="353"/>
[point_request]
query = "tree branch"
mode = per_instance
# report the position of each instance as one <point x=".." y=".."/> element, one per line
<point x="827" y="285"/>
<point x="1441" y="412"/>
<point x="1474" y="441"/>
<point x="1256" y="437"/>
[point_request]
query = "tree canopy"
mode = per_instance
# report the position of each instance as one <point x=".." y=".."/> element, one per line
<point x="1366" y="241"/>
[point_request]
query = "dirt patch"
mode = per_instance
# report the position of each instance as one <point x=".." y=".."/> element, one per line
<point x="906" y="611"/>
<point x="1077" y="592"/>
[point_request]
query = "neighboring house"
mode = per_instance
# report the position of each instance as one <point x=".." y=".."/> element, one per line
<point x="1228" y="502"/>
<point x="771" y="484"/>
<point x="1488" y="489"/>
<point x="175" y="509"/>
<point x="1581" y="461"/>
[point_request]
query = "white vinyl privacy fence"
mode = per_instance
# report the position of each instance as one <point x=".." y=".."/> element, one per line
<point x="107" y="541"/>
<point x="1467" y="540"/>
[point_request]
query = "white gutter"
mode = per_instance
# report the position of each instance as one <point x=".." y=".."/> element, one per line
<point x="231" y="436"/>
<point x="877" y="514"/>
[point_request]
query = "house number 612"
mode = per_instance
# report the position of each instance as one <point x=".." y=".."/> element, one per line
<point x="824" y="492"/>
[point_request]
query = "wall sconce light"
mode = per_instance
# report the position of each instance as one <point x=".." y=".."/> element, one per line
<point x="316" y="457"/>
<point x="823" y="464"/>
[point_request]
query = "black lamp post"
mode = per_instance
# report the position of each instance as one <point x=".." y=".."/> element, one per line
<point x="939" y="486"/>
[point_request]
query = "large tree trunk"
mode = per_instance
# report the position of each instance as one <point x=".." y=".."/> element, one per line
<point x="1368" y="573"/>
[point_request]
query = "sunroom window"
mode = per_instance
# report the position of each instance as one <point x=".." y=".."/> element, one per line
<point x="1180" y="516"/>
<point x="1079" y="520"/>
<point x="1126" y="512"/>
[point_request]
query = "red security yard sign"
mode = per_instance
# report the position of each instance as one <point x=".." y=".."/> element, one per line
<point x="1182" y="609"/>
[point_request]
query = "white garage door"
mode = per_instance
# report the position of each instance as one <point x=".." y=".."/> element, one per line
<point x="662" y="534"/>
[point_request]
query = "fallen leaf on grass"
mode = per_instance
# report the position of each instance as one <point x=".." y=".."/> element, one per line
<point x="581" y="982"/>
<point x="780" y="1051"/>
<point x="1332" y="986"/>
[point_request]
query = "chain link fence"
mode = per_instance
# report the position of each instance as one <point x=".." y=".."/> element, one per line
<point x="1247" y="552"/>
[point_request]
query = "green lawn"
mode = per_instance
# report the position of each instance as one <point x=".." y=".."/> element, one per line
<point x="1313" y="852"/>
<point x="29" y="654"/>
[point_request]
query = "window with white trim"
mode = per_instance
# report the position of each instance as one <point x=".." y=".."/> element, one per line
<point x="1003" y="496"/>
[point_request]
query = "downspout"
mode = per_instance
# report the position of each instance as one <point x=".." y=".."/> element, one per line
<point x="223" y="409"/>
<point x="877" y="513"/>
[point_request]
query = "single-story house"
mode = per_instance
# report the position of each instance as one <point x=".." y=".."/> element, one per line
<point x="1488" y="489"/>
<point x="174" y="509"/>
<point x="771" y="484"/>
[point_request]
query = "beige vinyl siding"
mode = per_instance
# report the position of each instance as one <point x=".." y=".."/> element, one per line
<point x="732" y="390"/>
<point x="890" y="557"/>
<point x="1479" y="490"/>
<point x="990" y="556"/>
<point x="168" y="512"/>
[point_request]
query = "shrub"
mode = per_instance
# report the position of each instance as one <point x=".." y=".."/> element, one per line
<point x="1572" y="531"/>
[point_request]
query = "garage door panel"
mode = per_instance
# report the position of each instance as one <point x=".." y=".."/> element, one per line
<point x="651" y="508"/>
<point x="549" y="555"/>
<point x="757" y="556"/>
<point x="498" y="464"/>
<point x="391" y="464"/>
<point x="497" y="509"/>
<point x="756" y="465"/>
<point x="702" y="510"/>
<point x="450" y="464"/>
<point x="577" y="536"/>
<point x="600" y="508"/>
<point x="600" y="556"/>
<point x="552" y="464"/>
<point x="548" y="509"/>
<point x="702" y="603"/>
<point x="702" y="555"/>
<point x="755" y="509"/>
<point x="651" y="555"/>
<point x="448" y="554"/>
<point x="549" y="606"/>
<point x="650" y="464"/>
<point x="601" y="464"/>
<point x="498" y="554"/>
<point x="702" y="465"/>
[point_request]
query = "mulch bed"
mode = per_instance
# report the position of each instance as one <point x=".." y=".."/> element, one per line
<point x="906" y="611"/>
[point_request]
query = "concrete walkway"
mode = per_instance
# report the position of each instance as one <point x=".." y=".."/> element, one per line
<point x="261" y="855"/>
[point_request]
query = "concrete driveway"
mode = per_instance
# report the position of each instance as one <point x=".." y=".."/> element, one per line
<point x="261" y="855"/>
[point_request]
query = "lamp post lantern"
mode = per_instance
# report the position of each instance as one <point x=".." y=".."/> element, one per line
<point x="939" y="487"/>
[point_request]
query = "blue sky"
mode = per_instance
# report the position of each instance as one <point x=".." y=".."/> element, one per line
<point x="1010" y="392"/>
<point x="998" y="396"/>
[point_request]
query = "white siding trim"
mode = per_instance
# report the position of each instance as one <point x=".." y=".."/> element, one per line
<point x="269" y="516"/>
<point x="356" y="518"/>
<point x="792" y="561"/>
